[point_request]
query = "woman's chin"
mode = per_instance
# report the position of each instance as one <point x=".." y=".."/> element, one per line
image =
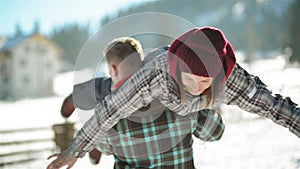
<point x="195" y="93"/>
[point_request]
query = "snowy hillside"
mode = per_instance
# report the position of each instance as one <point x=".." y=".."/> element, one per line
<point x="249" y="142"/>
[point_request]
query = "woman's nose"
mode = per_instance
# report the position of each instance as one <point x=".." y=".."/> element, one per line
<point x="197" y="85"/>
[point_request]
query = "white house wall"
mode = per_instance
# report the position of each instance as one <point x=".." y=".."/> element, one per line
<point x="23" y="71"/>
<point x="6" y="86"/>
<point x="39" y="68"/>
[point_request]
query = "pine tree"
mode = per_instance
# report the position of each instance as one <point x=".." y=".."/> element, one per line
<point x="18" y="30"/>
<point x="295" y="31"/>
<point x="71" y="38"/>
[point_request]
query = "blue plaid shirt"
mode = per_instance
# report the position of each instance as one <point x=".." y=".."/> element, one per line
<point x="161" y="140"/>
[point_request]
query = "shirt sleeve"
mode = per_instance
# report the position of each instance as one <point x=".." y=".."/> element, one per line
<point x="210" y="126"/>
<point x="250" y="94"/>
<point x="105" y="147"/>
<point x="86" y="95"/>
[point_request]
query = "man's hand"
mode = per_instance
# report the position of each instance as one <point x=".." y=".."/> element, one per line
<point x="67" y="108"/>
<point x="63" y="159"/>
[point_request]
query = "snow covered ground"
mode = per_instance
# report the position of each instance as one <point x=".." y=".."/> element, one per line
<point x="248" y="142"/>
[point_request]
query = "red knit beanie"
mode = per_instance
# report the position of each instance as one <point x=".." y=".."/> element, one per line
<point x="203" y="52"/>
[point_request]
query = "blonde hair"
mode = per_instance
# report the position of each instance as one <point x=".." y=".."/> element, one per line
<point x="120" y="48"/>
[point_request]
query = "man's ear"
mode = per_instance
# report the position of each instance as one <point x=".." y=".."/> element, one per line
<point x="114" y="70"/>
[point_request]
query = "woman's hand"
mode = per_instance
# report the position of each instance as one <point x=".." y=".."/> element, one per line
<point x="65" y="158"/>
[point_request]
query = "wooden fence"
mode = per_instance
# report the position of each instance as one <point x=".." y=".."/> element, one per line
<point x="24" y="145"/>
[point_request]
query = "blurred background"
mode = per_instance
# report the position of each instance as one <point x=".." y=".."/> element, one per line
<point x="40" y="41"/>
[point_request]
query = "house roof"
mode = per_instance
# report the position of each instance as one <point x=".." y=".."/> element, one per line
<point x="13" y="42"/>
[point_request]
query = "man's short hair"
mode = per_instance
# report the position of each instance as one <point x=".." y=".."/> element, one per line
<point x="120" y="48"/>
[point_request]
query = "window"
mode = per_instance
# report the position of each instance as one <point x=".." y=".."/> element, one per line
<point x="48" y="65"/>
<point x="25" y="80"/>
<point x="4" y="68"/>
<point x="5" y="80"/>
<point x="23" y="62"/>
<point x="7" y="54"/>
<point x="41" y="49"/>
<point x="27" y="49"/>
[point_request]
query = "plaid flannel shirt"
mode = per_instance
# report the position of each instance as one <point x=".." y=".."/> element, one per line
<point x="160" y="142"/>
<point x="249" y="93"/>
<point x="153" y="80"/>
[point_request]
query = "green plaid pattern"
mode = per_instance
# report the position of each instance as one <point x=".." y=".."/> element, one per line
<point x="160" y="142"/>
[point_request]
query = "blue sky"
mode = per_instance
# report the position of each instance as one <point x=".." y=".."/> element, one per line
<point x="53" y="13"/>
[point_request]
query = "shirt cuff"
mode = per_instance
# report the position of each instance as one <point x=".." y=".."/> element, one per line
<point x="76" y="152"/>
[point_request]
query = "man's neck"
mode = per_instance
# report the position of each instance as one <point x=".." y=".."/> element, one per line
<point x="118" y="84"/>
<point x="122" y="76"/>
